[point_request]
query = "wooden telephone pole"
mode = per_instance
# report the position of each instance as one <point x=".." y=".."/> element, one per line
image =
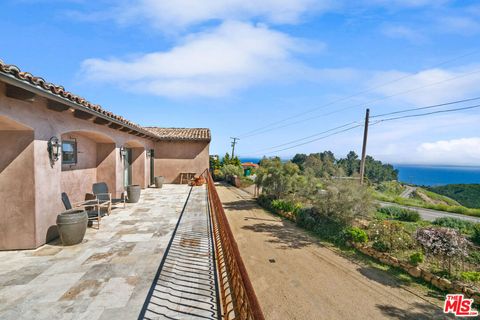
<point x="364" y="148"/>
<point x="234" y="142"/>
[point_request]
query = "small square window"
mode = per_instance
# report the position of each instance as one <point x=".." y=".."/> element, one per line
<point x="69" y="152"/>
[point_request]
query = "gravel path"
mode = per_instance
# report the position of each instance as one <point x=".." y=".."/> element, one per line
<point x="296" y="278"/>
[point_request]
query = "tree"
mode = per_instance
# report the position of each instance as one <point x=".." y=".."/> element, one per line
<point x="214" y="163"/>
<point x="350" y="164"/>
<point x="279" y="179"/>
<point x="226" y="159"/>
<point x="299" y="160"/>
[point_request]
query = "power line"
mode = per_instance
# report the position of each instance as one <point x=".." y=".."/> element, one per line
<point x="368" y="103"/>
<point x="375" y="123"/>
<point x="427" y="107"/>
<point x="308" y="137"/>
<point x="317" y="139"/>
<point x="248" y="133"/>
<point x="426" y="114"/>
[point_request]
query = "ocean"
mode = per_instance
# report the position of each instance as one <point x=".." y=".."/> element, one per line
<point x="437" y="175"/>
<point x="426" y="175"/>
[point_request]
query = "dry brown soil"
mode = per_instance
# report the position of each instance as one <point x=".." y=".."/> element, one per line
<point x="296" y="277"/>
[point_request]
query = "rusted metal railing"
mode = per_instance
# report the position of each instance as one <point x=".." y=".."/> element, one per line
<point x="238" y="299"/>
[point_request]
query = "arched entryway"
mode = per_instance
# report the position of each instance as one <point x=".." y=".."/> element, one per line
<point x="134" y="164"/>
<point x="87" y="157"/>
<point x="17" y="185"/>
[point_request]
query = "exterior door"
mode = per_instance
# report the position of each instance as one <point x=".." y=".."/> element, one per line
<point x="127" y="167"/>
<point x="152" y="165"/>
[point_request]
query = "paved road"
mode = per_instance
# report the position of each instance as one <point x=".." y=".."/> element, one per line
<point x="430" y="215"/>
<point x="295" y="277"/>
<point x="408" y="191"/>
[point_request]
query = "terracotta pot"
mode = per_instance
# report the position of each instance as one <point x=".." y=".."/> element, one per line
<point x="133" y="193"/>
<point x="72" y="225"/>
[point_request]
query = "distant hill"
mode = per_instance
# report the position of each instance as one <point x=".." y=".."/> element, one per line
<point x="466" y="194"/>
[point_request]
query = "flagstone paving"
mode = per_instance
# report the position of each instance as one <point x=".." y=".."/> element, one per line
<point x="108" y="275"/>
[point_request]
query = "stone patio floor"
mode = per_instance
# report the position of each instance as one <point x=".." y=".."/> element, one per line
<point x="110" y="274"/>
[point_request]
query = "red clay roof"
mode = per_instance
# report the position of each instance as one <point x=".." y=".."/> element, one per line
<point x="160" y="133"/>
<point x="249" y="164"/>
<point x="199" y="134"/>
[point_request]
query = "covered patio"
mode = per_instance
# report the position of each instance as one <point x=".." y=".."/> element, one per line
<point x="107" y="276"/>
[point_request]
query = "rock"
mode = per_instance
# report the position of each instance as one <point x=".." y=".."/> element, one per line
<point x="427" y="276"/>
<point x="445" y="284"/>
<point x="469" y="292"/>
<point x="435" y="282"/>
<point x="415" y="272"/>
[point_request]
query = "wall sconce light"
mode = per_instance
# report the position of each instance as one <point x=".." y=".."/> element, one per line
<point x="54" y="147"/>
<point x="123" y="152"/>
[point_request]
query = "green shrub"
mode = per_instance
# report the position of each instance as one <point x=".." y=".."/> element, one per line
<point x="416" y="258"/>
<point x="401" y="214"/>
<point x="327" y="229"/>
<point x="232" y="170"/>
<point x="265" y="201"/>
<point x="393" y="233"/>
<point x="286" y="206"/>
<point x="356" y="235"/>
<point x="381" y="246"/>
<point x="473" y="276"/>
<point x="476" y="234"/>
<point x="474" y="257"/>
<point x="305" y="219"/>
<point x="461" y="225"/>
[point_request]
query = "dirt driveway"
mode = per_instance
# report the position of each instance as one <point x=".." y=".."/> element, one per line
<point x="295" y="277"/>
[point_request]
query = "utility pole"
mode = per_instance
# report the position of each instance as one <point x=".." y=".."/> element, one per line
<point x="234" y="142"/>
<point x="364" y="148"/>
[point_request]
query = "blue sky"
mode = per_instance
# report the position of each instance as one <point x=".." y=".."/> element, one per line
<point x="236" y="66"/>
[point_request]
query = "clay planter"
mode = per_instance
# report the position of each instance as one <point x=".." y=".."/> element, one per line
<point x="72" y="225"/>
<point x="133" y="193"/>
<point x="159" y="181"/>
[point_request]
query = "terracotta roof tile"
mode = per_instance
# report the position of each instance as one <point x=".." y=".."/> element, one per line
<point x="160" y="133"/>
<point x="199" y="134"/>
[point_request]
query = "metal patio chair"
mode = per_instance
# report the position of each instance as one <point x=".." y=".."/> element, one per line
<point x="100" y="190"/>
<point x="92" y="207"/>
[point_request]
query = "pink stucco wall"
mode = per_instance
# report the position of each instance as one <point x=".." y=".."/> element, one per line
<point x="17" y="189"/>
<point x="30" y="186"/>
<point x="175" y="157"/>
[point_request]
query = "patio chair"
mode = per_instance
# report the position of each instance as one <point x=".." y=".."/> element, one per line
<point x="100" y="190"/>
<point x="90" y="206"/>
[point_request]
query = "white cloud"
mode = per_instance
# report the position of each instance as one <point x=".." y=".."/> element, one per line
<point x="463" y="25"/>
<point x="429" y="86"/>
<point x="178" y="14"/>
<point x="403" y="32"/>
<point x="465" y="151"/>
<point x="215" y="63"/>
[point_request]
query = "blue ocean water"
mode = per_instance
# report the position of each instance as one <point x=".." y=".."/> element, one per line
<point x="437" y="175"/>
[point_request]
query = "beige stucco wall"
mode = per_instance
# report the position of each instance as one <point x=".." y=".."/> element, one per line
<point x="175" y="157"/>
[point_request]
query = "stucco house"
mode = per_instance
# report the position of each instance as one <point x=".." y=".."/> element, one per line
<point x="53" y="141"/>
